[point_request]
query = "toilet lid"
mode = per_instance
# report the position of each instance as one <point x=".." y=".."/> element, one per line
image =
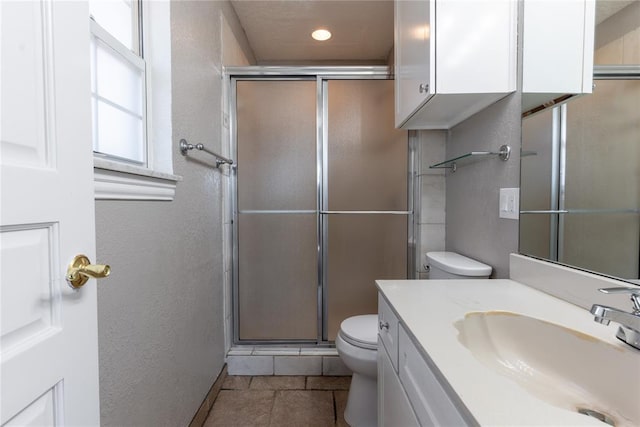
<point x="460" y="265"/>
<point x="361" y="331"/>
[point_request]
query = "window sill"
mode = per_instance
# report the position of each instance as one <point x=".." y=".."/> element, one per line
<point x="117" y="181"/>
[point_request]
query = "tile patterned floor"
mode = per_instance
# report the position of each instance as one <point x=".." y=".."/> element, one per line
<point x="280" y="401"/>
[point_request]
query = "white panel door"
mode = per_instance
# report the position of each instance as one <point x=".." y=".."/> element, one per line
<point x="48" y="331"/>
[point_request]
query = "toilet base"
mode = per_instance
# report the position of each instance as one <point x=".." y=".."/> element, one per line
<point x="362" y="404"/>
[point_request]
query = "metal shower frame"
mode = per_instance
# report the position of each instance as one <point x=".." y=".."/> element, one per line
<point x="321" y="75"/>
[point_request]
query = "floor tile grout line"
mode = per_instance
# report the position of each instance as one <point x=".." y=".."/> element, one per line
<point x="335" y="408"/>
<point x="273" y="405"/>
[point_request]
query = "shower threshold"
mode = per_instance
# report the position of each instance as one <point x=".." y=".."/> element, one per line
<point x="284" y="360"/>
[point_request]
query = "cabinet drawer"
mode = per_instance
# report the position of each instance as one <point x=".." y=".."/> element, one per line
<point x="388" y="330"/>
<point x="430" y="402"/>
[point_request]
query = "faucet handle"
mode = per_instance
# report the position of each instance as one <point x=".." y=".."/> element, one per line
<point x="634" y="291"/>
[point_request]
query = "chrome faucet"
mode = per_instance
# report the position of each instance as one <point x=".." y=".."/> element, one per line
<point x="629" y="330"/>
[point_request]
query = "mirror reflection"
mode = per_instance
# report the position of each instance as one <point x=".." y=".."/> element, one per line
<point x="580" y="166"/>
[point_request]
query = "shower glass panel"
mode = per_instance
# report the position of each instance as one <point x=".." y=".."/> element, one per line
<point x="580" y="179"/>
<point x="362" y="248"/>
<point x="277" y="145"/>
<point x="277" y="210"/>
<point x="321" y="201"/>
<point x="366" y="170"/>
<point x="538" y="183"/>
<point x="618" y="237"/>
<point x="279" y="276"/>
<point x="367" y="156"/>
<point x="603" y="172"/>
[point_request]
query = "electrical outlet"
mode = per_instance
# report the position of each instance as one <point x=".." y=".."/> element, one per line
<point x="509" y="203"/>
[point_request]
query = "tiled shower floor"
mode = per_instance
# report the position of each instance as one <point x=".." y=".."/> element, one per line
<point x="280" y="401"/>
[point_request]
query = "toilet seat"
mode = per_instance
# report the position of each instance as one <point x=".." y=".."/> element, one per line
<point x="361" y="331"/>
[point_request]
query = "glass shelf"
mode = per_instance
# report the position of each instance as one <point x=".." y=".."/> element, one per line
<point x="504" y="153"/>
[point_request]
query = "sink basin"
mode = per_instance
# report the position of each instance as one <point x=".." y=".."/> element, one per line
<point x="561" y="366"/>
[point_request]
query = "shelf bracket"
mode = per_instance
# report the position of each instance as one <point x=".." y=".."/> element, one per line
<point x="503" y="154"/>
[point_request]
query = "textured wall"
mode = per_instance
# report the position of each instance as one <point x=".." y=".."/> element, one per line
<point x="161" y="334"/>
<point x="473" y="227"/>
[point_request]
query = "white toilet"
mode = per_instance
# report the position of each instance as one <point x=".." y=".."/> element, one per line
<point x="357" y="340"/>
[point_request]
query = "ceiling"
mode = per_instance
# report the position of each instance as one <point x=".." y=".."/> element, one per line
<point x="280" y="31"/>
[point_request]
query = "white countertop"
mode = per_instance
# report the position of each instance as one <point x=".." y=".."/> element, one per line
<point x="429" y="309"/>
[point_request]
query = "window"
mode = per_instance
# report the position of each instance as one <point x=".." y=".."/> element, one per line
<point x="121" y="19"/>
<point x="118" y="86"/>
<point x="131" y="134"/>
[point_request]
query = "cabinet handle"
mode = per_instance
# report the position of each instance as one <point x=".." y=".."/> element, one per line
<point x="384" y="325"/>
<point x="424" y="88"/>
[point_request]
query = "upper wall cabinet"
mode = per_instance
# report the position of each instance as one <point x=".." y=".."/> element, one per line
<point x="557" y="59"/>
<point x="452" y="59"/>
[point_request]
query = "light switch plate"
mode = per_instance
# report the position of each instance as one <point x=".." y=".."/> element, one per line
<point x="509" y="203"/>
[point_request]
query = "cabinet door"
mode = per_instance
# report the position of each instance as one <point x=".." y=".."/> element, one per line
<point x="554" y="66"/>
<point x="432" y="405"/>
<point x="394" y="408"/>
<point x="414" y="56"/>
<point x="388" y="330"/>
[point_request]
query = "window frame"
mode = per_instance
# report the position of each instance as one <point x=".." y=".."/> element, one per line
<point x="125" y="179"/>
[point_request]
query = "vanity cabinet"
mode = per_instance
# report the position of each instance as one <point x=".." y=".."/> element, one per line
<point x="430" y="401"/>
<point x="409" y="391"/>
<point x="452" y="59"/>
<point x="557" y="58"/>
<point x="388" y="331"/>
<point x="394" y="408"/>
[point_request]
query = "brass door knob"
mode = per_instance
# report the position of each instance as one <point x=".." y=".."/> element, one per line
<point x="81" y="269"/>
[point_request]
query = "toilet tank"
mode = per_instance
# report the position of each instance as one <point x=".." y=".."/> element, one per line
<point x="450" y="265"/>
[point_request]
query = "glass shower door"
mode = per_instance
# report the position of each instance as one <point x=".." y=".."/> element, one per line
<point x="321" y="205"/>
<point x="277" y="227"/>
<point x="365" y="208"/>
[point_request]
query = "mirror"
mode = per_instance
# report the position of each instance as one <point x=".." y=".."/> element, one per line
<point x="580" y="160"/>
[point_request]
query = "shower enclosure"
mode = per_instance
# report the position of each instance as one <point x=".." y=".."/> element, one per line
<point x="322" y="201"/>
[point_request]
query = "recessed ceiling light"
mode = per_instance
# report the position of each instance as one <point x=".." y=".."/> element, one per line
<point x="321" y="34"/>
